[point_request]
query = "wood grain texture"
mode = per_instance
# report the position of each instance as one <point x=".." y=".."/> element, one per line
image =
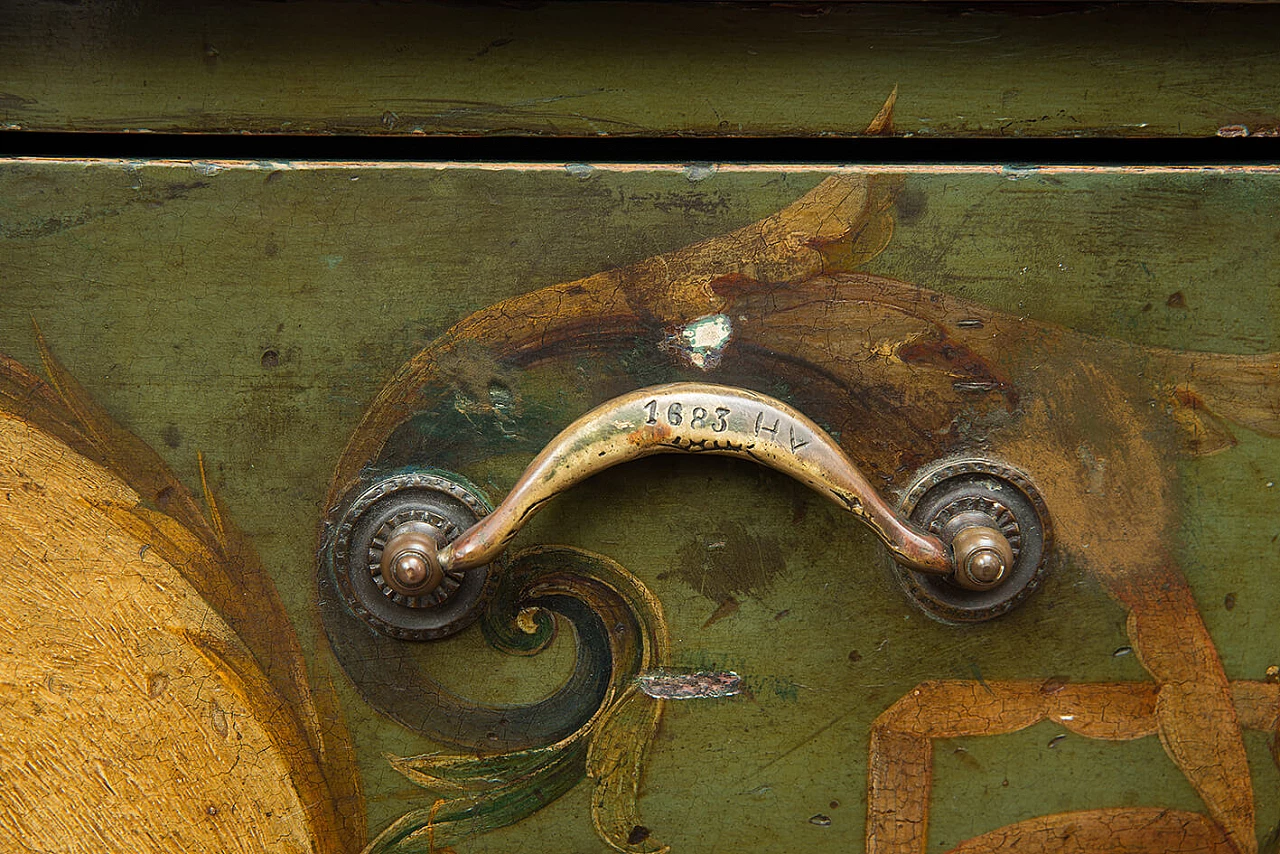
<point x="637" y="69"/>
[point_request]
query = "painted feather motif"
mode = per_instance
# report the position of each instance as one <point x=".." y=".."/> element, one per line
<point x="155" y="692"/>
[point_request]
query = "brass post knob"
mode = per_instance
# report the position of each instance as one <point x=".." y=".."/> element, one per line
<point x="409" y="564"/>
<point x="983" y="557"/>
<point x="382" y="549"/>
<point x="998" y="527"/>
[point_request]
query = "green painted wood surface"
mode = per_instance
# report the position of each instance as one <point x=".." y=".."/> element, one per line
<point x="166" y="287"/>
<point x="634" y="69"/>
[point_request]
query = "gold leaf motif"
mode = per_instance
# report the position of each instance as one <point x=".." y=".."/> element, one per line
<point x="615" y="762"/>
<point x="129" y="612"/>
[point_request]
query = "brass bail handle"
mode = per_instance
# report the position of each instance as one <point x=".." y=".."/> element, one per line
<point x="702" y="418"/>
<point x="715" y="419"/>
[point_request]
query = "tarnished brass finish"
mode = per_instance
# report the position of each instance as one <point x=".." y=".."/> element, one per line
<point x="696" y="418"/>
<point x="409" y="563"/>
<point x="997" y="525"/>
<point x="983" y="557"/>
<point x="380" y="551"/>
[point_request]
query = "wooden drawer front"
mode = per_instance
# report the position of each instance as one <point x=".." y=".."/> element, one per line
<point x="226" y="352"/>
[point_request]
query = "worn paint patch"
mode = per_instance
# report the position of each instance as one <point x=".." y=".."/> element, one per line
<point x="668" y="684"/>
<point x="727" y="608"/>
<point x="702" y="341"/>
<point x="728" y="562"/>
<point x="696" y="172"/>
<point x="206" y="169"/>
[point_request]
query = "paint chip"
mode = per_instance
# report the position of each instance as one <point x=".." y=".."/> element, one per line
<point x="1053" y="684"/>
<point x="218" y="718"/>
<point x="696" y="172"/>
<point x="157" y="684"/>
<point x="665" y="684"/>
<point x="527" y="620"/>
<point x="702" y="341"/>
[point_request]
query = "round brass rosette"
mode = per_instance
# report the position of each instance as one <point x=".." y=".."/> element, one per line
<point x="382" y="552"/>
<point x="963" y="501"/>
